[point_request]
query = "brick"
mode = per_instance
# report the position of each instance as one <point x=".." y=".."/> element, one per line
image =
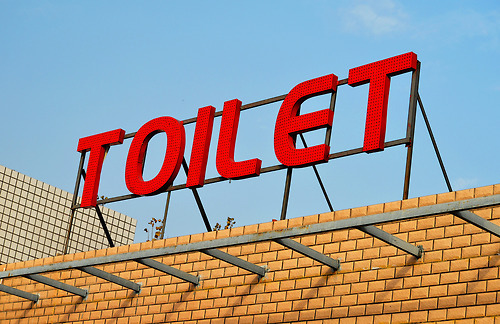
<point x="400" y="318"/>
<point x="447" y="302"/>
<point x="437" y="315"/>
<point x="456" y="313"/>
<point x="291" y="316"/>
<point x="438" y="291"/>
<point x="348" y="300"/>
<point x="475" y="311"/>
<point x="392" y="206"/>
<point x="339" y="312"/>
<point x="479" y="262"/>
<point x="275" y="318"/>
<point x="466" y="300"/>
<point x="410" y="305"/>
<point x="419" y="317"/>
<point x="428" y="303"/>
<point x="392" y="307"/>
<point x="492" y="310"/>
<point x="471" y="251"/>
<point x="402" y="294"/>
<point x="457" y="289"/>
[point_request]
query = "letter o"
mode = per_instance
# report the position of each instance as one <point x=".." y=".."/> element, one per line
<point x="174" y="154"/>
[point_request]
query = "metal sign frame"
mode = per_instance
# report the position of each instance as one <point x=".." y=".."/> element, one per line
<point x="408" y="141"/>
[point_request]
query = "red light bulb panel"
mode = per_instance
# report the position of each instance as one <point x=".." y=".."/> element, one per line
<point x="378" y="75"/>
<point x="97" y="145"/>
<point x="176" y="140"/>
<point x="226" y="166"/>
<point x="289" y="124"/>
<point x="201" y="145"/>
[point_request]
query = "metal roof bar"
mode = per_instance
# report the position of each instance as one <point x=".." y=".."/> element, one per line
<point x="195" y="280"/>
<point x="20" y="293"/>
<point x="59" y="285"/>
<point x="218" y="254"/>
<point x="197" y="199"/>
<point x="342" y="224"/>
<point x="307" y="251"/>
<point x="478" y="221"/>
<point x="112" y="278"/>
<point x="376" y="232"/>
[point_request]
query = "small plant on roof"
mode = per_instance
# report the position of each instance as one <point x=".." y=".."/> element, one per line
<point x="229" y="224"/>
<point x="155" y="232"/>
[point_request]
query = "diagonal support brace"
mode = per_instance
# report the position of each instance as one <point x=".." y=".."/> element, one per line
<point x="59" y="285"/>
<point x="195" y="280"/>
<point x="390" y="239"/>
<point x="20" y="293"/>
<point x="308" y="252"/>
<point x="218" y="254"/>
<point x="111" y="278"/>
<point x="478" y="221"/>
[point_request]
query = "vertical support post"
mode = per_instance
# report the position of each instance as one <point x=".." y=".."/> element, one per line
<point x="286" y="194"/>
<point x="164" y="223"/>
<point x="428" y="125"/>
<point x="104" y="226"/>
<point x="328" y="135"/>
<point x="198" y="200"/>
<point x="316" y="172"/>
<point x="73" y="201"/>
<point x="410" y="130"/>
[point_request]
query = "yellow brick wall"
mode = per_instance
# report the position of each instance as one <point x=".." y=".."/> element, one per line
<point x="457" y="278"/>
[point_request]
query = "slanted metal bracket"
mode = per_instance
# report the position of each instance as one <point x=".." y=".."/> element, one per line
<point x="59" y="285"/>
<point x="195" y="280"/>
<point x="20" y="293"/>
<point x="218" y="254"/>
<point x="112" y="278"/>
<point x="307" y="251"/>
<point x="390" y="239"/>
<point x="478" y="221"/>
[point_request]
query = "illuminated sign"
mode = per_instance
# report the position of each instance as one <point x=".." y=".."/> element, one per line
<point x="289" y="124"/>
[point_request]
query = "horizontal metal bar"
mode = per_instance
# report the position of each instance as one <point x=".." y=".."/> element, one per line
<point x="390" y="239"/>
<point x="19" y="293"/>
<point x="478" y="221"/>
<point x="342" y="224"/>
<point x="243" y="107"/>
<point x="112" y="278"/>
<point x="59" y="285"/>
<point x="218" y="254"/>
<point x="195" y="280"/>
<point x="263" y="170"/>
<point x="360" y="149"/>
<point x="308" y="252"/>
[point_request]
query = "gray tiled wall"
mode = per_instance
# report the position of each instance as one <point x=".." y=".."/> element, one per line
<point x="34" y="220"/>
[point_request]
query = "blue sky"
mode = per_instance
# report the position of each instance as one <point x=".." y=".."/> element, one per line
<point x="70" y="69"/>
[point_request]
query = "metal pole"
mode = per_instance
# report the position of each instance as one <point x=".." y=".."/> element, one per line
<point x="73" y="201"/>
<point x="165" y="216"/>
<point x="441" y="164"/>
<point x="318" y="177"/>
<point x="104" y="226"/>
<point x="410" y="130"/>
<point x="198" y="200"/>
<point x="286" y="194"/>
<point x="328" y="135"/>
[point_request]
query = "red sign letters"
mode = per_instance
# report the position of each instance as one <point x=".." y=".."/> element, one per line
<point x="289" y="124"/>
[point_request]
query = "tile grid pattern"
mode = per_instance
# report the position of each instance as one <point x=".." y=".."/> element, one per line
<point x="34" y="220"/>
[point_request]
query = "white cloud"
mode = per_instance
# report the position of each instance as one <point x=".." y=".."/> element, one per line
<point x="462" y="24"/>
<point x="374" y="17"/>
